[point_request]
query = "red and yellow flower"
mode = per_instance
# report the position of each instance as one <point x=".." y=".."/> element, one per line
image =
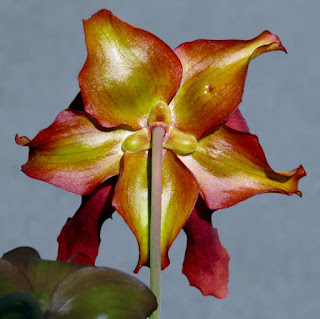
<point x="130" y="83"/>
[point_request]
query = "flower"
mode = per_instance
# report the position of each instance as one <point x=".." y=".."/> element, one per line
<point x="130" y="83"/>
<point x="68" y="290"/>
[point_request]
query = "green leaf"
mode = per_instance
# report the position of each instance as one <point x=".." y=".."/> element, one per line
<point x="42" y="274"/>
<point x="11" y="279"/>
<point x="68" y="290"/>
<point x="92" y="293"/>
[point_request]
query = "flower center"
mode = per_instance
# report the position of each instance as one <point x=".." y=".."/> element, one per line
<point x="181" y="143"/>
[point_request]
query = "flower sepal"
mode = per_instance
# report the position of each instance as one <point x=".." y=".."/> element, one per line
<point x="137" y="142"/>
<point x="181" y="143"/>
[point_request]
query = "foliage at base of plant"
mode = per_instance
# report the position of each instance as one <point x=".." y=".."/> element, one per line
<point x="55" y="290"/>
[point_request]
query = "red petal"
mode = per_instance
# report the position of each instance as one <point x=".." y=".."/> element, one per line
<point x="237" y="122"/>
<point x="127" y="71"/>
<point x="81" y="233"/>
<point x="206" y="260"/>
<point x="214" y="74"/>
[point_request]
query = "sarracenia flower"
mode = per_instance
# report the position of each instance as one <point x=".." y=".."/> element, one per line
<point x="132" y="82"/>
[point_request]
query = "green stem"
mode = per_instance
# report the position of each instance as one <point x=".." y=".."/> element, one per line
<point x="20" y="303"/>
<point x="157" y="136"/>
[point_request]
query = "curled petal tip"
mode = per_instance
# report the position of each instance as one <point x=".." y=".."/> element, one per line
<point x="144" y="260"/>
<point x="137" y="269"/>
<point x="214" y="73"/>
<point x="270" y="36"/>
<point x="267" y="42"/>
<point x="301" y="171"/>
<point x="297" y="174"/>
<point x="21" y="140"/>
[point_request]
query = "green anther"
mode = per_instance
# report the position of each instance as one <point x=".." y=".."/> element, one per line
<point x="181" y="143"/>
<point x="160" y="114"/>
<point x="137" y="142"/>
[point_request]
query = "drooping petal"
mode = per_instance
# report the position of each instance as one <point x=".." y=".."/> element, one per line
<point x="206" y="260"/>
<point x="230" y="166"/>
<point x="214" y="73"/>
<point x="74" y="154"/>
<point x="131" y="200"/>
<point x="81" y="233"/>
<point x="127" y="71"/>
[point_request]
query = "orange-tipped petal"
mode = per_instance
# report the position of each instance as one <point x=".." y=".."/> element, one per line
<point x="127" y="71"/>
<point x="230" y="166"/>
<point x="206" y="262"/>
<point x="131" y="200"/>
<point x="79" y="238"/>
<point x="73" y="154"/>
<point x="214" y="73"/>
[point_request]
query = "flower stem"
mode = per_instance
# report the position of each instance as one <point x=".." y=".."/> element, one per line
<point x="20" y="303"/>
<point x="157" y="136"/>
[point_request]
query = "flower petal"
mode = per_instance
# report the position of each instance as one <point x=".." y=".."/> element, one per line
<point x="214" y="73"/>
<point x="131" y="200"/>
<point x="73" y="154"/>
<point x="237" y="122"/>
<point x="230" y="166"/>
<point x="80" y="236"/>
<point x="206" y="260"/>
<point x="127" y="71"/>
